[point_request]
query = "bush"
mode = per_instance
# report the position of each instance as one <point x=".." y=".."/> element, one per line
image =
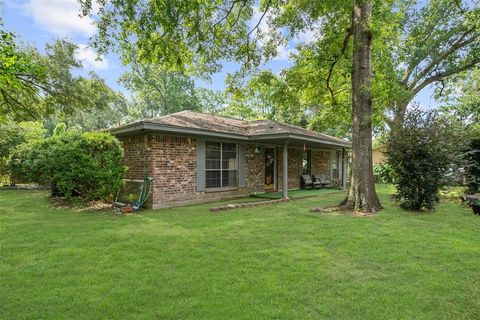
<point x="86" y="165"/>
<point x="472" y="166"/>
<point x="419" y="154"/>
<point x="383" y="173"/>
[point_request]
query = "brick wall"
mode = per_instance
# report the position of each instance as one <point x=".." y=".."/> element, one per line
<point x="321" y="162"/>
<point x="255" y="169"/>
<point x="138" y="158"/>
<point x="172" y="161"/>
<point x="294" y="162"/>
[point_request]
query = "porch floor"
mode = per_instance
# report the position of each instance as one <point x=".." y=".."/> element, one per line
<point x="295" y="194"/>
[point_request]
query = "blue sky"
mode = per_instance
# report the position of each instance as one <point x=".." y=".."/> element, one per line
<point x="42" y="21"/>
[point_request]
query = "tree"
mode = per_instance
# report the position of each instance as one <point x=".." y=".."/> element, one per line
<point x="158" y="92"/>
<point x="439" y="40"/>
<point x="265" y="96"/>
<point x="416" y="44"/>
<point x="194" y="36"/>
<point x="362" y="195"/>
<point x="103" y="108"/>
<point x="34" y="86"/>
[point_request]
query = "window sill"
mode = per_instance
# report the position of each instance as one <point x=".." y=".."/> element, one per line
<point x="221" y="189"/>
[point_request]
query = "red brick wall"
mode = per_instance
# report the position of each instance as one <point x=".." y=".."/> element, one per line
<point x="293" y="168"/>
<point x="172" y="162"/>
<point x="255" y="169"/>
<point x="321" y="162"/>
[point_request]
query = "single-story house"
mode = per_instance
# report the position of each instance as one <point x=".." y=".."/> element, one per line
<point x="195" y="157"/>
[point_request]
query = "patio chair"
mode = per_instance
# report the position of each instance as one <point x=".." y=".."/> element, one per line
<point x="307" y="182"/>
<point x="324" y="180"/>
<point x="317" y="183"/>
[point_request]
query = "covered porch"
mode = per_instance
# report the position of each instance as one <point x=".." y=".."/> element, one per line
<point x="286" y="159"/>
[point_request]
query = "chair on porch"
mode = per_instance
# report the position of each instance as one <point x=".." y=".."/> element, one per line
<point x="308" y="183"/>
<point x="323" y="180"/>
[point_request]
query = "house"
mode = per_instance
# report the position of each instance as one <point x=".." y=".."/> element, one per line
<point x="378" y="154"/>
<point x="195" y="157"/>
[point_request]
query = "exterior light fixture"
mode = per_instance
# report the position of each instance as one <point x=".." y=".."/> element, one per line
<point x="257" y="149"/>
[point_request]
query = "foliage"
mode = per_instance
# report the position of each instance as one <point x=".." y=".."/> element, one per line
<point x="472" y="165"/>
<point x="157" y="92"/>
<point x="34" y="85"/>
<point x="86" y="165"/>
<point x="461" y="96"/>
<point x="18" y="69"/>
<point x="265" y="96"/>
<point x="383" y="172"/>
<point x="210" y="101"/>
<point x="103" y="108"/>
<point x="419" y="155"/>
<point x="13" y="134"/>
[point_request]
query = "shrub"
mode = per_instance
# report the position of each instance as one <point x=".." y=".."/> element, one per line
<point x="86" y="165"/>
<point x="383" y="172"/>
<point x="472" y="166"/>
<point x="419" y="154"/>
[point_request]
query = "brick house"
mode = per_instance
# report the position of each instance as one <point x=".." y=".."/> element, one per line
<point x="195" y="157"/>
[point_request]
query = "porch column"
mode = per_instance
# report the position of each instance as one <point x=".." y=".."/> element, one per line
<point x="285" y="170"/>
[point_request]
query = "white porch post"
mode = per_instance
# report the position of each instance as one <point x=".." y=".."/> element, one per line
<point x="285" y="170"/>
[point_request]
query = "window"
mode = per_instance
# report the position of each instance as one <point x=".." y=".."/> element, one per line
<point x="336" y="165"/>
<point x="307" y="162"/>
<point x="221" y="165"/>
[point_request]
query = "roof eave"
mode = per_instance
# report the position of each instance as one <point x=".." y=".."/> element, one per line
<point x="155" y="127"/>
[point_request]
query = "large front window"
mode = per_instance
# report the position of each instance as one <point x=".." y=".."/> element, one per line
<point x="221" y="165"/>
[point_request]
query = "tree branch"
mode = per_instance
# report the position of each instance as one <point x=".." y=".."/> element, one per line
<point x="458" y="44"/>
<point x="337" y="58"/>
<point x="442" y="75"/>
<point x="256" y="28"/>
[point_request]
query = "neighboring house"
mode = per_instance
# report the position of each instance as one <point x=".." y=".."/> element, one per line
<point x="195" y="157"/>
<point x="378" y="154"/>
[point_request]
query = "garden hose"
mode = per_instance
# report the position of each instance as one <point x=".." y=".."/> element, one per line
<point x="144" y="193"/>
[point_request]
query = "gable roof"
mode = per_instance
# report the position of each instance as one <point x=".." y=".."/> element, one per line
<point x="191" y="122"/>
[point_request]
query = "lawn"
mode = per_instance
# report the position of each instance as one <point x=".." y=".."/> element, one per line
<point x="279" y="261"/>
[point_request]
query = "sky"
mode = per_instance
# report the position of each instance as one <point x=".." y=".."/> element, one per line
<point x="38" y="22"/>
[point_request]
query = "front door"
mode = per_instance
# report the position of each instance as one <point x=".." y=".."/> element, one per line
<point x="269" y="169"/>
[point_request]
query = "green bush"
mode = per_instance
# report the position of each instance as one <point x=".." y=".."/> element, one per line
<point x="472" y="166"/>
<point x="419" y="154"/>
<point x="86" y="165"/>
<point x="383" y="172"/>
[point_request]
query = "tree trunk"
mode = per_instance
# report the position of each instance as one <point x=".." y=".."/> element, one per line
<point x="362" y="196"/>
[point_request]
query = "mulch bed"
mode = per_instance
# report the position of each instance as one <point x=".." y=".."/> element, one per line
<point x="25" y="187"/>
<point x="340" y="210"/>
<point x="247" y="205"/>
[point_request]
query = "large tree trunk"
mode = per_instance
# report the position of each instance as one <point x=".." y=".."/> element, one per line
<point x="362" y="196"/>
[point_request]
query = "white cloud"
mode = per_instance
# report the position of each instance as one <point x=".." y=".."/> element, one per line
<point x="90" y="59"/>
<point x="60" y="17"/>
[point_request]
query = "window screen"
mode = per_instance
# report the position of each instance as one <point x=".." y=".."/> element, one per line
<point x="221" y="164"/>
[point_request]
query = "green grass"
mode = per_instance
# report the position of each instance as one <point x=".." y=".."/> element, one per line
<point x="272" y="262"/>
<point x="295" y="194"/>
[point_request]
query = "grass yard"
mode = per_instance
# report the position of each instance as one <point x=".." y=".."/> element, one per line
<point x="278" y="261"/>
